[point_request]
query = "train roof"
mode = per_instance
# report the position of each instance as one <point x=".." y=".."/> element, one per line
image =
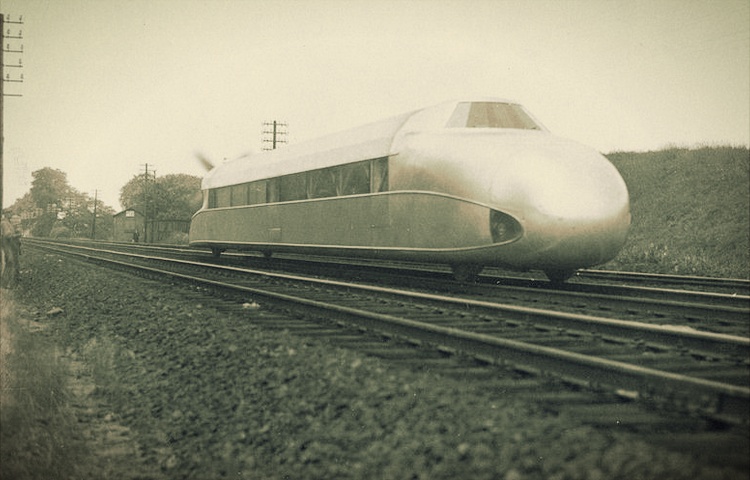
<point x="369" y="141"/>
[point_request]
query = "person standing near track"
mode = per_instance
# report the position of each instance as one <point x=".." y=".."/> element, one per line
<point x="10" y="251"/>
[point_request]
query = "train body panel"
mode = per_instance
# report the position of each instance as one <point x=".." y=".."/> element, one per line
<point x="464" y="183"/>
<point x="385" y="221"/>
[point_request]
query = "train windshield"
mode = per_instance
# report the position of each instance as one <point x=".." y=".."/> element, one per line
<point x="491" y="115"/>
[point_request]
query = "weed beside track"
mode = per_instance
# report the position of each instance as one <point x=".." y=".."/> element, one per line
<point x="40" y="436"/>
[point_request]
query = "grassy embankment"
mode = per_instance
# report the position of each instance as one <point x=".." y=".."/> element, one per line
<point x="39" y="435"/>
<point x="691" y="211"/>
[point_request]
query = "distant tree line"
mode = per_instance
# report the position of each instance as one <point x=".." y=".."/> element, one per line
<point x="53" y="208"/>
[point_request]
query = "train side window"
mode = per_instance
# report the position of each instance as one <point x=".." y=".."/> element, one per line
<point x="212" y="200"/>
<point x="322" y="183"/>
<point x="293" y="187"/>
<point x="354" y="179"/>
<point x="223" y="197"/>
<point x="257" y="193"/>
<point x="239" y="194"/>
<point x="379" y="175"/>
<point x="272" y="190"/>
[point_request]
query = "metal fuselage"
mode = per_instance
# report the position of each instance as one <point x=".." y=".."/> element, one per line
<point x="512" y="197"/>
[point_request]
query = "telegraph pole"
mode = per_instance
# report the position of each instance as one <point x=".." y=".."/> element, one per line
<point x="2" y="98"/>
<point x="146" y="201"/>
<point x="93" y="221"/>
<point x="273" y="133"/>
<point x="15" y="37"/>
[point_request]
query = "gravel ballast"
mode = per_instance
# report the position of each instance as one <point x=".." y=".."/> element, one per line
<point x="207" y="394"/>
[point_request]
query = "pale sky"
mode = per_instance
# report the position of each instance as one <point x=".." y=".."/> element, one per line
<point x="112" y="85"/>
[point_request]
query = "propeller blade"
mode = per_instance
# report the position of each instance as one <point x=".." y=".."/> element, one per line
<point x="207" y="164"/>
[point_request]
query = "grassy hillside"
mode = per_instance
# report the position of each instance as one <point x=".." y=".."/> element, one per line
<point x="691" y="211"/>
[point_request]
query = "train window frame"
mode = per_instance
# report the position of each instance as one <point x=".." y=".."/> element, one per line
<point x="323" y="182"/>
<point x="379" y="175"/>
<point x="356" y="178"/>
<point x="257" y="192"/>
<point x="238" y="195"/>
<point x="223" y="197"/>
<point x="272" y="190"/>
<point x="293" y="187"/>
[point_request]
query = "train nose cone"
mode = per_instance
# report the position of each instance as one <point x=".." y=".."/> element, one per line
<point x="579" y="208"/>
<point x="578" y="185"/>
<point x="579" y="244"/>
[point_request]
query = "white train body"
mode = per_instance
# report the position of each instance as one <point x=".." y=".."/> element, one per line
<point x="466" y="183"/>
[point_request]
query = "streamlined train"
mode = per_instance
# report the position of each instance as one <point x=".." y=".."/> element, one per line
<point x="467" y="183"/>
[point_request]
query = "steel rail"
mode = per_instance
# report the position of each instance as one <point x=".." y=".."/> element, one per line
<point x="666" y="278"/>
<point x="690" y="305"/>
<point x="710" y="396"/>
<point x="696" y="300"/>
<point x="693" y="340"/>
<point x="656" y="292"/>
<point x="623" y="293"/>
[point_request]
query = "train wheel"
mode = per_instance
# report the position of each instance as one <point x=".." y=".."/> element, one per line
<point x="466" y="272"/>
<point x="559" y="276"/>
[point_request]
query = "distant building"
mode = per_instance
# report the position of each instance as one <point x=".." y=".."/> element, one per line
<point x="128" y="226"/>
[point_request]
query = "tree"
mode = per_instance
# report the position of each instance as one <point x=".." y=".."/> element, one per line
<point x="179" y="196"/>
<point x="49" y="187"/>
<point x="24" y="207"/>
<point x="171" y="197"/>
<point x="53" y="208"/>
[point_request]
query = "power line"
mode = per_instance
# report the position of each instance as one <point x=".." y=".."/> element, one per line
<point x="274" y="133"/>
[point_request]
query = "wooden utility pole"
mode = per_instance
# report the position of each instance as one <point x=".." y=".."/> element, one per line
<point x="147" y="200"/>
<point x="93" y="221"/>
<point x="2" y="97"/>
<point x="6" y="48"/>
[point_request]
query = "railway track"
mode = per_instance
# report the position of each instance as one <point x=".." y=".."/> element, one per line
<point x="607" y="278"/>
<point x="664" y="279"/>
<point x="685" y="308"/>
<point x="703" y="376"/>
